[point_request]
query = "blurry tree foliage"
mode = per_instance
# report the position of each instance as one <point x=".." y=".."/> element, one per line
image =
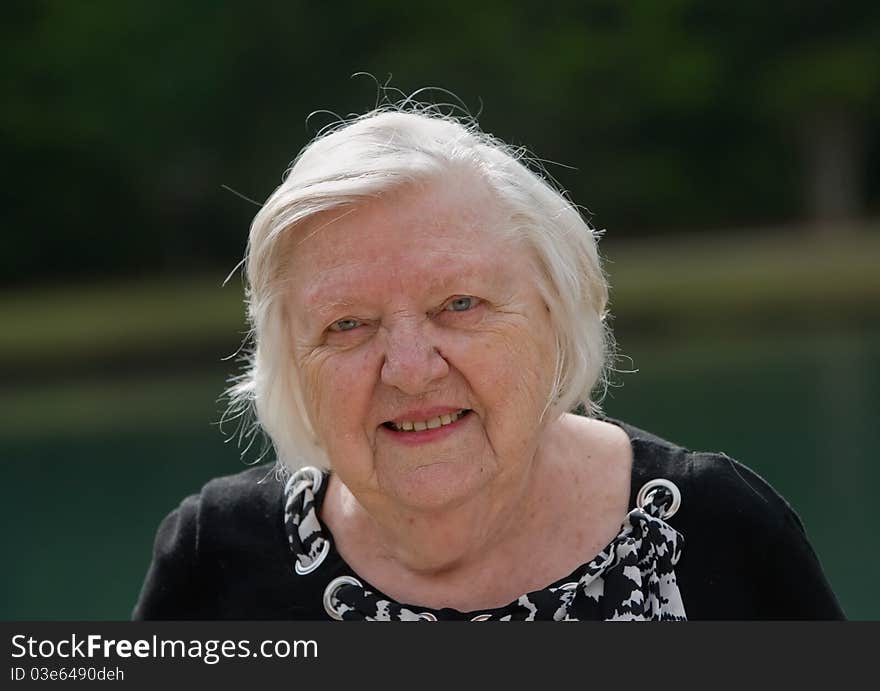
<point x="123" y="120"/>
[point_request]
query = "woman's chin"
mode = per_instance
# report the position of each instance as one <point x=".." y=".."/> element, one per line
<point x="433" y="485"/>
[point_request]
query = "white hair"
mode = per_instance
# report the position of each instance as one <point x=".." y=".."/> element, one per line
<point x="375" y="154"/>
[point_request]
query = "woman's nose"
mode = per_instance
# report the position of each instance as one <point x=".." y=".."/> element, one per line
<point x="412" y="361"/>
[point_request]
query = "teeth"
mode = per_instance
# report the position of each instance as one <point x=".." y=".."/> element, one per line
<point x="433" y="423"/>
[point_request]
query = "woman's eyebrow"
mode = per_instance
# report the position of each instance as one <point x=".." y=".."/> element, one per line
<point x="328" y="294"/>
<point x="323" y="309"/>
<point x="329" y="290"/>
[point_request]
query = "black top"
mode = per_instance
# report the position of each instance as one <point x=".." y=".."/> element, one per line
<point x="223" y="554"/>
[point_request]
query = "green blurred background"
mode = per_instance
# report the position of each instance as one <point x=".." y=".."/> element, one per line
<point x="730" y="150"/>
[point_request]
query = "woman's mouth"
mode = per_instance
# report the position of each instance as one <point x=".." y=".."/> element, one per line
<point x="429" y="424"/>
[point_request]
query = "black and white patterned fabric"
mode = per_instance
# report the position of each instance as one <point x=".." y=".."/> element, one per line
<point x="633" y="578"/>
<point x="305" y="534"/>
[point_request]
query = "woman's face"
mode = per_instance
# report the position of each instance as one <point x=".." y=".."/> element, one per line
<point x="423" y="346"/>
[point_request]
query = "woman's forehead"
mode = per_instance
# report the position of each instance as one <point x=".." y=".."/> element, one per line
<point x="371" y="269"/>
<point x="463" y="206"/>
<point x="440" y="230"/>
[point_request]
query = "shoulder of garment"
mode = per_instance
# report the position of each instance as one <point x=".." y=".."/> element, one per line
<point x="746" y="550"/>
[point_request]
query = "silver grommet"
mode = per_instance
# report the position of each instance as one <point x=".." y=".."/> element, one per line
<point x="299" y="482"/>
<point x="642" y="496"/>
<point x="317" y="477"/>
<point x="330" y="593"/>
<point x="427" y="616"/>
<point x="316" y="562"/>
<point x="482" y="617"/>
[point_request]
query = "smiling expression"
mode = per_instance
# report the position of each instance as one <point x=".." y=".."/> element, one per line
<point x="422" y="343"/>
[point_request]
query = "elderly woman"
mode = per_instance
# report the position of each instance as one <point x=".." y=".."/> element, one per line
<point x="427" y="313"/>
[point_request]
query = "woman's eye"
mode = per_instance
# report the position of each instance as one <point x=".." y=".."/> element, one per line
<point x="345" y="325"/>
<point x="461" y="304"/>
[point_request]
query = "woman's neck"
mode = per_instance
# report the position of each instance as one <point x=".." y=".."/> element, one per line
<point x="428" y="542"/>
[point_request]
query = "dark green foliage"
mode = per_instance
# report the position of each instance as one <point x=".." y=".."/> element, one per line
<point x="122" y="121"/>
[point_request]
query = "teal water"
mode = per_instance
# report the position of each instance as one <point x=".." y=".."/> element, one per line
<point x="91" y="468"/>
<point x="803" y="412"/>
